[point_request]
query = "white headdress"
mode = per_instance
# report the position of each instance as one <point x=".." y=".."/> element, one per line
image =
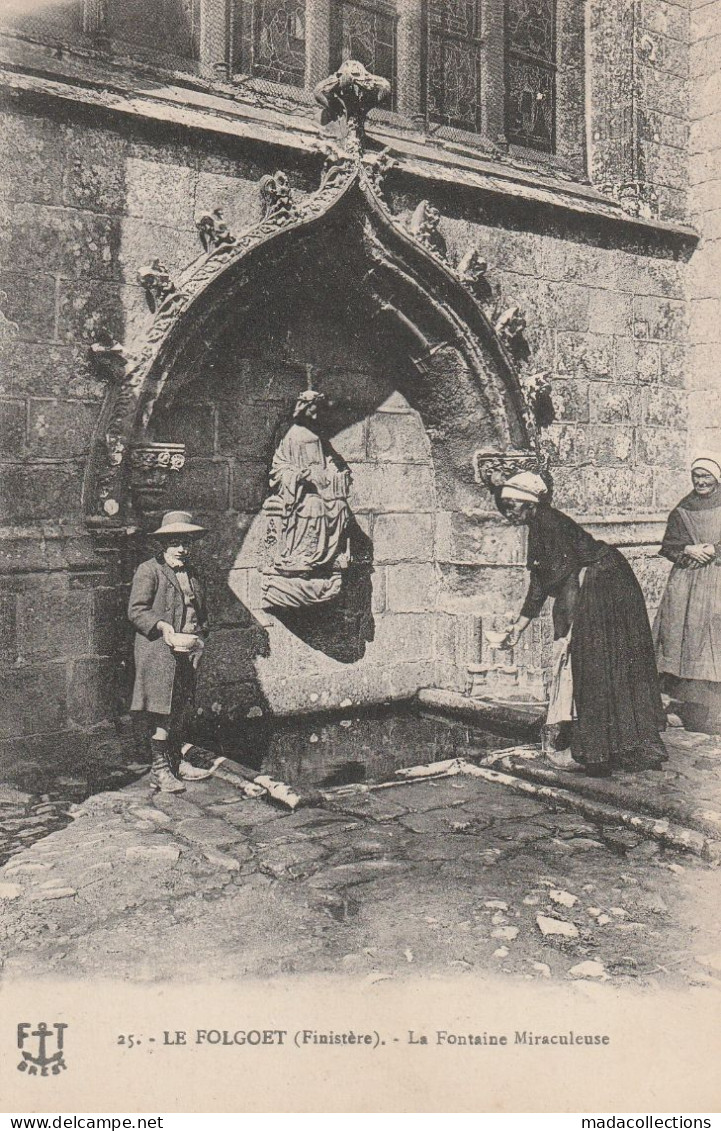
<point x="526" y="485"/>
<point x="707" y="461"/>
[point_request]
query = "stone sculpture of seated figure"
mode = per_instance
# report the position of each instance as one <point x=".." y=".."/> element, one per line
<point x="310" y="485"/>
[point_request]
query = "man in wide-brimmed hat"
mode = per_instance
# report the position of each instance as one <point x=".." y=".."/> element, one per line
<point x="167" y="610"/>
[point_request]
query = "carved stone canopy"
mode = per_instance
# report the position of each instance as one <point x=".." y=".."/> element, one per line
<point x="436" y="310"/>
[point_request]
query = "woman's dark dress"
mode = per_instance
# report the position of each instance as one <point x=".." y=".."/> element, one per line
<point x="615" y="684"/>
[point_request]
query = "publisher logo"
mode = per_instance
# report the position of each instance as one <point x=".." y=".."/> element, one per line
<point x="41" y="1048"/>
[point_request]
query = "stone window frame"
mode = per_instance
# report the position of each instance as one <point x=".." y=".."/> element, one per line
<point x="96" y="27"/>
<point x="409" y="111"/>
<point x="514" y="52"/>
<point x="410" y="90"/>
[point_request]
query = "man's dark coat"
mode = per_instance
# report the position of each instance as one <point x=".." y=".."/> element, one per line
<point x="156" y="595"/>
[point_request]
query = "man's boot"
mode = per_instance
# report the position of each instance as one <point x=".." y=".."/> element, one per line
<point x="161" y="775"/>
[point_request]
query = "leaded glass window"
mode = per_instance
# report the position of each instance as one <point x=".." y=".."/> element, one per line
<point x="453" y="92"/>
<point x="269" y="40"/>
<point x="366" y="32"/>
<point x="169" y="26"/>
<point x="279" y="41"/>
<point x="531" y="73"/>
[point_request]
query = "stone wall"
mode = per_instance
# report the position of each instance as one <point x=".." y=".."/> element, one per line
<point x="638" y="76"/>
<point x="87" y="201"/>
<point x="83" y="207"/>
<point x="705" y="176"/>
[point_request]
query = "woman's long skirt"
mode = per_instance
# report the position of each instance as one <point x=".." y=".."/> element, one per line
<point x="615" y="683"/>
<point x="687" y="632"/>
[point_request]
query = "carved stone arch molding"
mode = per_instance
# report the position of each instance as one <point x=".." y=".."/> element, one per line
<point x="448" y="317"/>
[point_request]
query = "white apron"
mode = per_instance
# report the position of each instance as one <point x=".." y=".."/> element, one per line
<point x="561" y="708"/>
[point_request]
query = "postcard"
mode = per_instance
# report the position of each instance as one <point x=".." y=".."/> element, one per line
<point x="360" y="526"/>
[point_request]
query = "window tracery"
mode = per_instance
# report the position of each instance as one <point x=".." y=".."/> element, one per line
<point x="169" y="26"/>
<point x="454" y="65"/>
<point x="279" y="41"/>
<point x="530" y="49"/>
<point x="366" y="32"/>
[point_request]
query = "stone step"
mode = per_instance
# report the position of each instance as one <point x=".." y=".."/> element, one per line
<point x="647" y="799"/>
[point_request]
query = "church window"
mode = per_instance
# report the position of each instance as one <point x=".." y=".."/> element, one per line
<point x="530" y="55"/>
<point x="366" y="32"/>
<point x="453" y="63"/>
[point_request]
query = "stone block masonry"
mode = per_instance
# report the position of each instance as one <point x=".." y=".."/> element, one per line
<point x="83" y="208"/>
<point x="705" y="207"/>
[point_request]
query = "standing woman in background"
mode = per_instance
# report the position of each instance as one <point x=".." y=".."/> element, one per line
<point x="599" y="616"/>
<point x="688" y="624"/>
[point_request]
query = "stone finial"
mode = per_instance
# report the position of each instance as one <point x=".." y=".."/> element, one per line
<point x="277" y="198"/>
<point x="157" y="284"/>
<point x="213" y="230"/>
<point x="510" y="324"/>
<point x="347" y="97"/>
<point x="424" y="224"/>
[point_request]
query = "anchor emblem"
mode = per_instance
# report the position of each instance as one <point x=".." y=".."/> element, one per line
<point x="44" y="1063"/>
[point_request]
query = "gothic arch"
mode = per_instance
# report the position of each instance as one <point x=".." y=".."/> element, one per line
<point x="446" y="314"/>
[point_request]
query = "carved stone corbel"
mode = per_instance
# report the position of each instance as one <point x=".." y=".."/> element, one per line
<point x="213" y="230"/>
<point x="150" y="465"/>
<point x="637" y="198"/>
<point x="110" y="359"/>
<point x="492" y="469"/>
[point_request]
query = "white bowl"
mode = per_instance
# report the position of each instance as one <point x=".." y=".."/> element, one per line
<point x="184" y="641"/>
<point x="496" y="639"/>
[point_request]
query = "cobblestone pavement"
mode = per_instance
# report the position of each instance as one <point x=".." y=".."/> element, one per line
<point x="687" y="790"/>
<point x="442" y="876"/>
